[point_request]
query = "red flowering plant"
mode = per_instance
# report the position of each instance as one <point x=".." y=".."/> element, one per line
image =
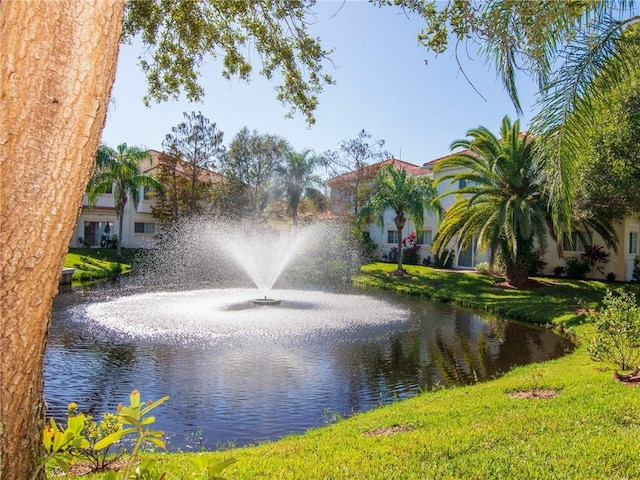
<point x="410" y="249"/>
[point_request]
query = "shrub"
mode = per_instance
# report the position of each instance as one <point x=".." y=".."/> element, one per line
<point x="636" y="268"/>
<point x="410" y="250"/>
<point x="484" y="268"/>
<point x="576" y="267"/>
<point x="618" y="330"/>
<point x="596" y="257"/>
<point x="611" y="276"/>
<point x="558" y="271"/>
<point x="427" y="261"/>
<point x="536" y="263"/>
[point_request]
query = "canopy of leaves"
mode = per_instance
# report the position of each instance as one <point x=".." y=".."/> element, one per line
<point x="252" y="160"/>
<point x="566" y="46"/>
<point x="179" y="36"/>
<point x="502" y="204"/>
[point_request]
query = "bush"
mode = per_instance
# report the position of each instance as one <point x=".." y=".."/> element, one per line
<point x="536" y="263"/>
<point x="576" y="267"/>
<point x="596" y="258"/>
<point x="636" y="268"/>
<point x="618" y="331"/>
<point x="484" y="268"/>
<point x="558" y="271"/>
<point x="410" y="250"/>
<point x="611" y="276"/>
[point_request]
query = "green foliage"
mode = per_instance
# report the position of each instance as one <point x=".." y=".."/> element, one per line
<point x="596" y="257"/>
<point x="484" y="268"/>
<point x="252" y="160"/>
<point x="410" y="249"/>
<point x="120" y="170"/>
<point x="96" y="263"/>
<point x="85" y="438"/>
<point x="94" y="432"/>
<point x="296" y="173"/>
<point x="636" y="268"/>
<point x="502" y="203"/>
<point x="58" y="444"/>
<point x="408" y="196"/>
<point x="178" y="36"/>
<point x="617" y="324"/>
<point x="576" y="267"/>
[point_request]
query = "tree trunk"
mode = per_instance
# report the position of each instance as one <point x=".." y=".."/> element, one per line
<point x="58" y="65"/>
<point x="400" y="225"/>
<point x="518" y="272"/>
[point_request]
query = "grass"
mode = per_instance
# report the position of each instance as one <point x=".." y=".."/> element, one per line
<point x="590" y="429"/>
<point x="93" y="264"/>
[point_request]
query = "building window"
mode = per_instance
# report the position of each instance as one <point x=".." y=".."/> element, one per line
<point x="144" y="228"/>
<point x="392" y="236"/>
<point x="633" y="242"/>
<point x="574" y="243"/>
<point x="425" y="237"/>
<point x="148" y="193"/>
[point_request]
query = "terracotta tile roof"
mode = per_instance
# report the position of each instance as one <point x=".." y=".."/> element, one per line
<point x="147" y="166"/>
<point x="431" y="163"/>
<point x="370" y="170"/>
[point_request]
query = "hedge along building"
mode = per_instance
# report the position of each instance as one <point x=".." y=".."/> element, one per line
<point x="97" y="224"/>
<point x="620" y="263"/>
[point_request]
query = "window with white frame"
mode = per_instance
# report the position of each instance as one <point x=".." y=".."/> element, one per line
<point x="144" y="228"/>
<point x="574" y="242"/>
<point x="425" y="237"/>
<point x="633" y="242"/>
<point x="392" y="236"/>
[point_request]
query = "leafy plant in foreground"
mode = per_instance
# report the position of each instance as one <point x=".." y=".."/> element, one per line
<point x="618" y="331"/>
<point x="83" y="435"/>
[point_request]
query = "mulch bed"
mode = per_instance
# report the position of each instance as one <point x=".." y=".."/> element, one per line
<point x="390" y="430"/>
<point x="632" y="378"/>
<point x="535" y="393"/>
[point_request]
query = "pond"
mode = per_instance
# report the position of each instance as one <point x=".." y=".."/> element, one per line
<point x="238" y="373"/>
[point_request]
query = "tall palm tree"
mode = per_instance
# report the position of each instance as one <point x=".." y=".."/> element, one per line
<point x="297" y="173"/>
<point x="505" y="203"/>
<point x="120" y="169"/>
<point x="409" y="196"/>
<point x="502" y="205"/>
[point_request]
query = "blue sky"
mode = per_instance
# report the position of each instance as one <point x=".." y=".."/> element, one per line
<point x="383" y="86"/>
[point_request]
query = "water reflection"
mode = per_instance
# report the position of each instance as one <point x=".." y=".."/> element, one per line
<point x="267" y="386"/>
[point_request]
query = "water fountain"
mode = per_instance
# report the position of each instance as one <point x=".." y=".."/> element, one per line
<point x="240" y="371"/>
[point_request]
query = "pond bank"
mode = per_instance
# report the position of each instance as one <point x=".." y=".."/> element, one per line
<point x="589" y="427"/>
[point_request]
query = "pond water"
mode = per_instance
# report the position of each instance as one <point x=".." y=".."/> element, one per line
<point x="238" y="373"/>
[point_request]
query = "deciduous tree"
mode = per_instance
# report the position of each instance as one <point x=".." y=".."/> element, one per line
<point x="252" y="159"/>
<point x="349" y="163"/>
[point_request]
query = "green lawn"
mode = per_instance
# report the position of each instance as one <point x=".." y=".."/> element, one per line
<point x="95" y="264"/>
<point x="590" y="429"/>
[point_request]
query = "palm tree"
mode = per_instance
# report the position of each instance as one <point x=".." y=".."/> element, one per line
<point x="505" y="203"/>
<point x="120" y="169"/>
<point x="409" y="196"/>
<point x="297" y="175"/>
<point x="502" y="205"/>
